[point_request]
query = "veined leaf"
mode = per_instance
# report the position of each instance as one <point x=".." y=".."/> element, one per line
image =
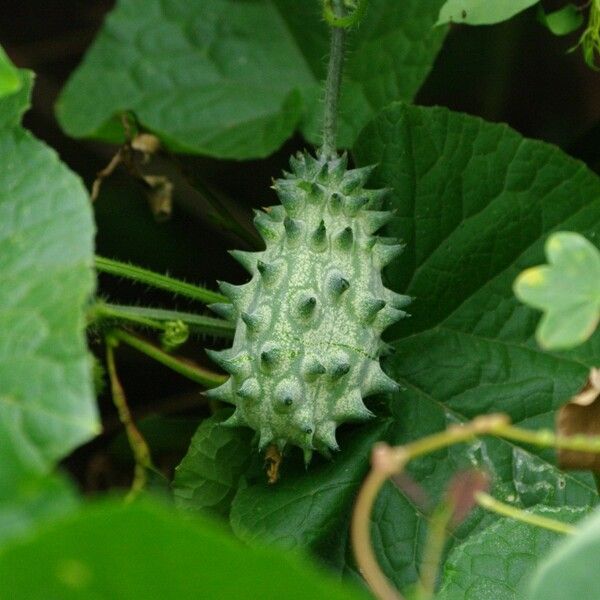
<point x="47" y="404"/>
<point x="570" y="570"/>
<point x="475" y="202"/>
<point x="493" y="564"/>
<point x="235" y="79"/>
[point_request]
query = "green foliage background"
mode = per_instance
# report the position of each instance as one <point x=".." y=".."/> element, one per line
<point x="474" y="201"/>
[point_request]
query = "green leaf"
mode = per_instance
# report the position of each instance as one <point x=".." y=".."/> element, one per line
<point x="567" y="290"/>
<point x="13" y="106"/>
<point x="117" y="550"/>
<point x="492" y="564"/>
<point x="308" y="507"/>
<point x="10" y="80"/>
<point x="35" y="499"/>
<point x="209" y="475"/>
<point x="571" y="569"/>
<point x="481" y="12"/>
<point x="47" y="404"/>
<point x="475" y="202"/>
<point x="235" y="79"/>
<point x="562" y="21"/>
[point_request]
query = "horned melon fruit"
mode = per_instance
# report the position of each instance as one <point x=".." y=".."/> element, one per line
<point x="309" y="322"/>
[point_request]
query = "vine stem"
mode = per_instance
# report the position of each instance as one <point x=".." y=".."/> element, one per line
<point x="157" y="318"/>
<point x="164" y="282"/>
<point x="333" y="83"/>
<point x="137" y="443"/>
<point x="184" y="367"/>
<point x="437" y="534"/>
<point x="387" y="461"/>
<point x="490" y="503"/>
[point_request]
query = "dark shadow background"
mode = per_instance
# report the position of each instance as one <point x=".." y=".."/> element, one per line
<point x="516" y="72"/>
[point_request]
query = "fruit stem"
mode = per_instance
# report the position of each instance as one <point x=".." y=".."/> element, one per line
<point x="333" y="82"/>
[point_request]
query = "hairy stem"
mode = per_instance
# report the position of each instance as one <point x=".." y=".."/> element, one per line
<point x="488" y="502"/>
<point x="156" y="318"/>
<point x="182" y="366"/>
<point x="163" y="282"/>
<point x="139" y="447"/>
<point x="333" y="82"/>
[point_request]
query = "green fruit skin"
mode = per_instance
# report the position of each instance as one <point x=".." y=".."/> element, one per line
<point x="309" y="322"/>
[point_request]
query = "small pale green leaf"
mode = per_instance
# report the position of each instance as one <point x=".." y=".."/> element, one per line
<point x="563" y="21"/>
<point x="47" y="404"/>
<point x="235" y="79"/>
<point x="492" y="564"/>
<point x="571" y="570"/>
<point x="142" y="550"/>
<point x="209" y="475"/>
<point x="10" y="79"/>
<point x="567" y="290"/>
<point x="481" y="12"/>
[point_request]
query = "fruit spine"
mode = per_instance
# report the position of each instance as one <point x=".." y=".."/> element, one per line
<point x="309" y="322"/>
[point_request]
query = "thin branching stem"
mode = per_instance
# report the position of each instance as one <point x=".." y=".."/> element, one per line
<point x="163" y="282"/>
<point x="139" y="447"/>
<point x="157" y="318"/>
<point x="490" y="503"/>
<point x="387" y="461"/>
<point x="184" y="367"/>
<point x="437" y="534"/>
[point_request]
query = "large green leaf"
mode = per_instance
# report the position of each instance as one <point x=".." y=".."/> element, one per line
<point x="234" y="79"/>
<point x="571" y="569"/>
<point x="209" y="475"/>
<point x="475" y="202"/>
<point x="47" y="404"/>
<point x="119" y="551"/>
<point x="33" y="500"/>
<point x="482" y="12"/>
<point x="492" y="564"/>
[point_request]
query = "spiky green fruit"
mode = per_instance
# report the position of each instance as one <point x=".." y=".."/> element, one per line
<point x="309" y="322"/>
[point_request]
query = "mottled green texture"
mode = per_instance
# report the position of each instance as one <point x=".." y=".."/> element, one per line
<point x="567" y="290"/>
<point x="493" y="564"/>
<point x="234" y="79"/>
<point x="309" y="322"/>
